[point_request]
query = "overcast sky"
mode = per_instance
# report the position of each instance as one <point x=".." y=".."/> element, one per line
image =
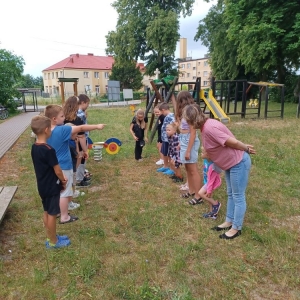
<point x="75" y="27"/>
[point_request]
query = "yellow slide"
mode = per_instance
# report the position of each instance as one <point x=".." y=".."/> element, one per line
<point x="214" y="107"/>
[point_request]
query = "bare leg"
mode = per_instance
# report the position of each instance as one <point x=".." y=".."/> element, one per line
<point x="50" y="224"/>
<point x="203" y="194"/>
<point x="193" y="178"/>
<point x="63" y="204"/>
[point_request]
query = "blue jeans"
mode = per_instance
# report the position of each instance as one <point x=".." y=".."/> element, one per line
<point x="237" y="181"/>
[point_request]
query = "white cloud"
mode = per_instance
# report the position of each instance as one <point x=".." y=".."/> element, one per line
<point x="44" y="33"/>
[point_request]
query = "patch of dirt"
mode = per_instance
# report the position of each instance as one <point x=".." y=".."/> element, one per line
<point x="269" y="291"/>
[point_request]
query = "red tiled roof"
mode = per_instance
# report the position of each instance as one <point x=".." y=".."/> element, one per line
<point x="141" y="66"/>
<point x="80" y="61"/>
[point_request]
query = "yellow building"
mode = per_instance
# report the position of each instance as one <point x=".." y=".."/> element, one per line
<point x="190" y="69"/>
<point x="92" y="73"/>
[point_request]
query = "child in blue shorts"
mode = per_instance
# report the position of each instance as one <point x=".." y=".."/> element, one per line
<point x="169" y="118"/>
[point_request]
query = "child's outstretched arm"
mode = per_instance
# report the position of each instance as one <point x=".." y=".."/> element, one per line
<point x="80" y="128"/>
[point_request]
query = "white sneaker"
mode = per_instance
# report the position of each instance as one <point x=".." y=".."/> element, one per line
<point x="72" y="205"/>
<point x="77" y="194"/>
<point x="160" y="162"/>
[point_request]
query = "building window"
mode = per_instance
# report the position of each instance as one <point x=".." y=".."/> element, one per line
<point x="45" y="75"/>
<point x="52" y="75"/>
<point x="96" y="74"/>
<point x="46" y="89"/>
<point x="87" y="88"/>
<point x="199" y="73"/>
<point x="97" y="89"/>
<point x="53" y="90"/>
<point x="199" y="63"/>
<point x="205" y="63"/>
<point x="205" y="73"/>
<point x="205" y="83"/>
<point x="106" y="75"/>
<point x="182" y="66"/>
<point x="48" y="75"/>
<point x="61" y="74"/>
<point x="194" y="68"/>
<point x="188" y="75"/>
<point x="56" y="74"/>
<point x="86" y="74"/>
<point x="194" y="77"/>
<point x="188" y="66"/>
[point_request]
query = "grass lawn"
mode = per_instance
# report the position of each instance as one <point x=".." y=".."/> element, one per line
<point x="137" y="239"/>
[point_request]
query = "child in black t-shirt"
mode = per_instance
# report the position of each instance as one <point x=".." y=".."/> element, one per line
<point x="139" y="129"/>
<point x="50" y="180"/>
<point x="160" y="122"/>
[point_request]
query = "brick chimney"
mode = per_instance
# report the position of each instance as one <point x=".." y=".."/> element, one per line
<point x="90" y="54"/>
<point x="183" y="48"/>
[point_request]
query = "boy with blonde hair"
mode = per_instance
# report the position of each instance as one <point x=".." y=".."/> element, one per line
<point x="50" y="179"/>
<point x="59" y="140"/>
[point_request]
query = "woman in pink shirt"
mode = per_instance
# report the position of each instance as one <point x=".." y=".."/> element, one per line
<point x="233" y="157"/>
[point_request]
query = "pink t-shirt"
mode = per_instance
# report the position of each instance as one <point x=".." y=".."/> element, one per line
<point x="214" y="135"/>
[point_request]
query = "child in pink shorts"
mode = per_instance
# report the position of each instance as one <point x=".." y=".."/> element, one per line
<point x="212" y="180"/>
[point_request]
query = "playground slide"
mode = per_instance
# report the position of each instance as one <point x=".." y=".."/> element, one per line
<point x="214" y="107"/>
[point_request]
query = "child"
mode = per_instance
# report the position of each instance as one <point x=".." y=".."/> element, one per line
<point x="59" y="140"/>
<point x="212" y="180"/>
<point x="160" y="122"/>
<point x="74" y="150"/>
<point x="173" y="152"/>
<point x="81" y="175"/>
<point x="169" y="118"/>
<point x="189" y="147"/>
<point x="138" y="129"/>
<point x="50" y="179"/>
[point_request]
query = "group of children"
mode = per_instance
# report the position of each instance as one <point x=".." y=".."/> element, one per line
<point x="178" y="144"/>
<point x="60" y="152"/>
<point x="54" y="167"/>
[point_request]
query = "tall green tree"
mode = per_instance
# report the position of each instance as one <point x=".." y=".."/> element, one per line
<point x="147" y="29"/>
<point x="128" y="74"/>
<point x="258" y="38"/>
<point x="11" y="69"/>
<point x="266" y="34"/>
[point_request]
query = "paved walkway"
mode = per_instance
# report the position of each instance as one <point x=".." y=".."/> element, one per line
<point x="11" y="130"/>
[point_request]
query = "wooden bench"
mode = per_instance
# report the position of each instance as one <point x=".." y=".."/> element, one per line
<point x="6" y="195"/>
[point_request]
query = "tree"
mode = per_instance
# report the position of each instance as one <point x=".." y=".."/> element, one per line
<point x="258" y="38"/>
<point x="147" y="29"/>
<point x="128" y="74"/>
<point x="28" y="81"/>
<point x="266" y="34"/>
<point x="11" y="69"/>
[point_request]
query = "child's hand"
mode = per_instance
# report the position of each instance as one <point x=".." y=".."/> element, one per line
<point x="85" y="155"/>
<point x="146" y="139"/>
<point x="100" y="126"/>
<point x="187" y="155"/>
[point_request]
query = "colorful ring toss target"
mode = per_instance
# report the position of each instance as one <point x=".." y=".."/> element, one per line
<point x="112" y="145"/>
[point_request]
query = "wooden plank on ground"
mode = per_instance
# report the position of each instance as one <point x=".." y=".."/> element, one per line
<point x="6" y="195"/>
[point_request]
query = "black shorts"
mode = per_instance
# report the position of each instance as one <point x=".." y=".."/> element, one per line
<point x="164" y="148"/>
<point x="51" y="205"/>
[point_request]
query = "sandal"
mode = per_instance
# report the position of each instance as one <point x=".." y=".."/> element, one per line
<point x="72" y="219"/>
<point x="196" y="201"/>
<point x="87" y="174"/>
<point x="187" y="195"/>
